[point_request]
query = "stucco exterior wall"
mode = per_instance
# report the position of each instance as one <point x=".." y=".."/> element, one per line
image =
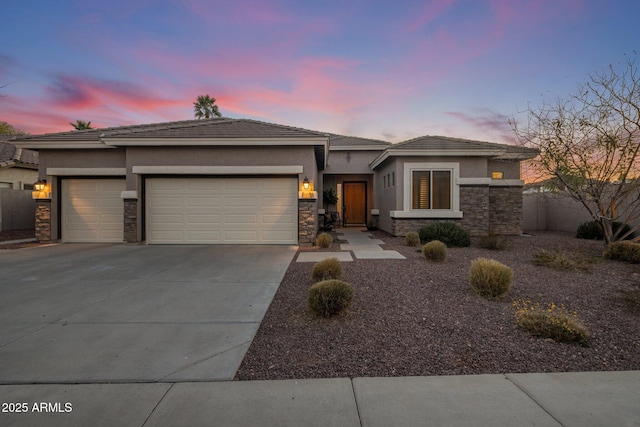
<point x="485" y="208"/>
<point x="349" y="162"/>
<point x="18" y="177"/>
<point x="129" y="157"/>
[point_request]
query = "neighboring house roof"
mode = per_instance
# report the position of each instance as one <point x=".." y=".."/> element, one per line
<point x="12" y="156"/>
<point x="342" y="142"/>
<point x="446" y="146"/>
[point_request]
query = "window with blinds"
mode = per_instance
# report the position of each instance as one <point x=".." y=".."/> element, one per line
<point x="431" y="189"/>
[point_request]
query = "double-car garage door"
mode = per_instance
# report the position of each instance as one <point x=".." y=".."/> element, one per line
<point x="186" y="210"/>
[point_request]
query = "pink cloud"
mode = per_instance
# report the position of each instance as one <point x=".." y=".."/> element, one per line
<point x="487" y="122"/>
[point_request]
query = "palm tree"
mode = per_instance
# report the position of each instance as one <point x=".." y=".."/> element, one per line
<point x="81" y="125"/>
<point x="205" y="107"/>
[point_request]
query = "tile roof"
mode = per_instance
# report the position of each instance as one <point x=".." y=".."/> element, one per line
<point x="444" y="143"/>
<point x="354" y="141"/>
<point x="205" y="128"/>
<point x="10" y="155"/>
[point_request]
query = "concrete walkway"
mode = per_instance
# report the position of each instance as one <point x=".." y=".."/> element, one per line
<point x="359" y="242"/>
<point x="560" y="399"/>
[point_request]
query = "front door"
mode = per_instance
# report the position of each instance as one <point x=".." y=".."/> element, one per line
<point x="355" y="203"/>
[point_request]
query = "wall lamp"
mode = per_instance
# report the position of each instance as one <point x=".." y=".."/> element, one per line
<point x="305" y="183"/>
<point x="40" y="185"/>
<point x="497" y="175"/>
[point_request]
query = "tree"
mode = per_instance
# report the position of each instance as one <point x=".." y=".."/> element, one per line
<point x="205" y="107"/>
<point x="590" y="144"/>
<point x="81" y="125"/>
<point x="6" y="128"/>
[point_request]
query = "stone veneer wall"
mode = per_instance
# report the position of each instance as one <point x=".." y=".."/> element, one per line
<point x="130" y="220"/>
<point x="505" y="210"/>
<point x="43" y="220"/>
<point x="307" y="221"/>
<point x="474" y="204"/>
<point x="485" y="210"/>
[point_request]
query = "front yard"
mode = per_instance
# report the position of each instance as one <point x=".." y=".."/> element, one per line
<point x="412" y="317"/>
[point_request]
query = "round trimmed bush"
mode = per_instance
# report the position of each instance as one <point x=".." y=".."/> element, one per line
<point x="435" y="250"/>
<point x="326" y="269"/>
<point x="490" y="278"/>
<point x="449" y="233"/>
<point x="412" y="239"/>
<point x="330" y="297"/>
<point x="324" y="240"/>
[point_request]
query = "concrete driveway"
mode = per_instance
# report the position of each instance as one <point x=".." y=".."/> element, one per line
<point x="117" y="313"/>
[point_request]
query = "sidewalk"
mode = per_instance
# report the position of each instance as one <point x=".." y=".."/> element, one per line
<point x="559" y="399"/>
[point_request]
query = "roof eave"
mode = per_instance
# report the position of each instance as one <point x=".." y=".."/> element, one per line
<point x="215" y="141"/>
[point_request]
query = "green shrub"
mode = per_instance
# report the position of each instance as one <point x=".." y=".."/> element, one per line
<point x="435" y="250"/>
<point x="591" y="230"/>
<point x="324" y="240"/>
<point x="330" y="297"/>
<point x="494" y="242"/>
<point x="623" y="251"/>
<point x="411" y="239"/>
<point x="327" y="269"/>
<point x="552" y="322"/>
<point x="489" y="278"/>
<point x="448" y="233"/>
<point x="561" y="260"/>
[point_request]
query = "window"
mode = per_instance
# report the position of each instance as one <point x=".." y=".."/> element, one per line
<point x="431" y="189"/>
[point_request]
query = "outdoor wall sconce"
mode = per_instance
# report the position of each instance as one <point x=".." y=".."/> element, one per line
<point x="40" y="185"/>
<point x="497" y="175"/>
<point x="305" y="183"/>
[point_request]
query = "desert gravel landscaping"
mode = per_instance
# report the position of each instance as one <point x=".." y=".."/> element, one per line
<point x="412" y="317"/>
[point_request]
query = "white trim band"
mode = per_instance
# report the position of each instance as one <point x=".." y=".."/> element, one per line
<point x="431" y="213"/>
<point x="130" y="194"/>
<point x="87" y="171"/>
<point x="218" y="170"/>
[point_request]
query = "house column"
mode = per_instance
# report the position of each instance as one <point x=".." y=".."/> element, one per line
<point x="307" y="221"/>
<point x="130" y="200"/>
<point x="43" y="220"/>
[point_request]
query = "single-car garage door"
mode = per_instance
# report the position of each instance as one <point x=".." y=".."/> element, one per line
<point x="222" y="210"/>
<point x="92" y="210"/>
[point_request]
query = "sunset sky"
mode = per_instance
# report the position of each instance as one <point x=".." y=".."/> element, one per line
<point x="390" y="70"/>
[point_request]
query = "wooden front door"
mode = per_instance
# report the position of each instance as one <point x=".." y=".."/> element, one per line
<point x="355" y="203"/>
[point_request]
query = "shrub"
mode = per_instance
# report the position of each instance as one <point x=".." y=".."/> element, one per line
<point x="324" y="240"/>
<point x="435" y="250"/>
<point x="561" y="260"/>
<point x="494" y="242"/>
<point x="330" y="297"/>
<point x="327" y="269"/>
<point x="448" y="233"/>
<point x="552" y="322"/>
<point x="591" y="230"/>
<point x="623" y="251"/>
<point x="411" y="239"/>
<point x="489" y="278"/>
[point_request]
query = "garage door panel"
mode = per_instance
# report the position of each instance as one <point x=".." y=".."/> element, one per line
<point x="92" y="210"/>
<point x="223" y="210"/>
<point x="204" y="201"/>
<point x="204" y="219"/>
<point x="274" y="220"/>
<point x="206" y="237"/>
<point x="242" y="184"/>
